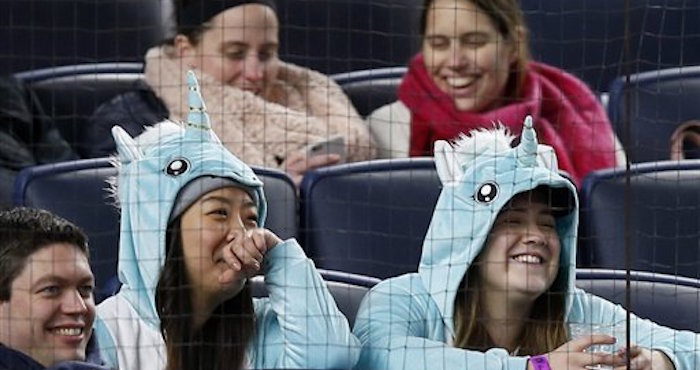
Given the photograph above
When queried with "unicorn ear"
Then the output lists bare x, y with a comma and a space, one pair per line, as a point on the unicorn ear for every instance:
448, 167
126, 146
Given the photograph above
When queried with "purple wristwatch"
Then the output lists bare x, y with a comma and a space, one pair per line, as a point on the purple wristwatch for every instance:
540, 362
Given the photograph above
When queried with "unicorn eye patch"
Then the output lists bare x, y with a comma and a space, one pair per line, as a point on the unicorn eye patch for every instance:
486, 193
177, 167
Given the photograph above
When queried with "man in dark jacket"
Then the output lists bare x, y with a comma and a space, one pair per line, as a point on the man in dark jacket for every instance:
47, 308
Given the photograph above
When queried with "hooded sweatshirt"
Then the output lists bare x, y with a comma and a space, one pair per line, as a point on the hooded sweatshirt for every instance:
407, 322
298, 321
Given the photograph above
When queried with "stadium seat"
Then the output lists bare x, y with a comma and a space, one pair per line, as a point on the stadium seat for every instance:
369, 218
77, 191
347, 290
659, 102
587, 37
334, 36
70, 94
664, 218
667, 300
51, 33
371, 88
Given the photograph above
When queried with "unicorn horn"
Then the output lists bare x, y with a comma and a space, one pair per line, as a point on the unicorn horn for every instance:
197, 117
198, 123
527, 149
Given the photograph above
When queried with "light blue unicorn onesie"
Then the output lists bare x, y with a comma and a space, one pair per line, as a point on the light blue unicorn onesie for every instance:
407, 322
298, 326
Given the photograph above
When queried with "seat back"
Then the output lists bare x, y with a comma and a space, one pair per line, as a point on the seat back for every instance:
70, 94
334, 36
668, 300
347, 290
664, 218
371, 88
77, 191
587, 38
660, 101
51, 33
369, 218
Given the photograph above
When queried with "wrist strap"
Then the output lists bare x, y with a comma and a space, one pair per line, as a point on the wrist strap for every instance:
540, 362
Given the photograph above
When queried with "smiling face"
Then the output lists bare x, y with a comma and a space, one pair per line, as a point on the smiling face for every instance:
207, 226
521, 255
465, 54
51, 309
239, 48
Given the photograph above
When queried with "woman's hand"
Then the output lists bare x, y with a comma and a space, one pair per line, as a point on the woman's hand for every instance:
571, 355
645, 359
297, 164
245, 251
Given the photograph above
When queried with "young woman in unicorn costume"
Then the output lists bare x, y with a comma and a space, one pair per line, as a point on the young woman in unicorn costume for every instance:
192, 217
495, 286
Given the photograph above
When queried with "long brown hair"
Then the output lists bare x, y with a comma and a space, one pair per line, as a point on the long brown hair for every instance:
510, 23
222, 341
544, 330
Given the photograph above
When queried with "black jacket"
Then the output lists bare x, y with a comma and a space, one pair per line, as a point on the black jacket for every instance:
15, 360
28, 137
133, 111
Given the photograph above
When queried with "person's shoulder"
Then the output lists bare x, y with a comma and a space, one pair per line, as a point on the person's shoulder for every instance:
409, 284
560, 77
132, 110
141, 101
392, 112
77, 365
116, 310
11, 359
295, 73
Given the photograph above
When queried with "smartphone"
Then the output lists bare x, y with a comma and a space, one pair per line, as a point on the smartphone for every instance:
334, 145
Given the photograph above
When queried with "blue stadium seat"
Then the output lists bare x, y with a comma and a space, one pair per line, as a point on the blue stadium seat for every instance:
587, 37
76, 190
70, 94
51, 33
370, 89
659, 102
347, 290
665, 299
333, 36
369, 218
664, 221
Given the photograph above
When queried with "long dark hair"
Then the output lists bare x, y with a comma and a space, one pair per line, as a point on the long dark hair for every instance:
543, 332
222, 341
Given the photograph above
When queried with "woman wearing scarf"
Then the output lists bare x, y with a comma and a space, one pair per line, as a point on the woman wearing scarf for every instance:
265, 111
475, 70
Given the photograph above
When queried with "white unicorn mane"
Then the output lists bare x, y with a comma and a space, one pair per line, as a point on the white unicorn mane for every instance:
481, 141
154, 135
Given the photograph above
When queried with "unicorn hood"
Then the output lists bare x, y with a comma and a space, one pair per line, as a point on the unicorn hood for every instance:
154, 169
480, 175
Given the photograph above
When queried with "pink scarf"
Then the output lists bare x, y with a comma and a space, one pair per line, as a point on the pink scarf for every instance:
566, 114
